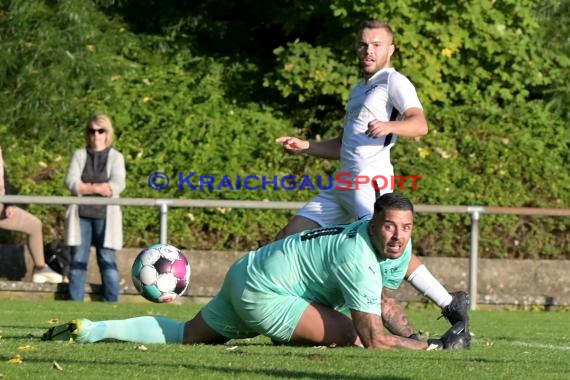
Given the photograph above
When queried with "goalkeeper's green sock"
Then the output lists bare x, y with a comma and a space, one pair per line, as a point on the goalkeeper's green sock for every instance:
139, 330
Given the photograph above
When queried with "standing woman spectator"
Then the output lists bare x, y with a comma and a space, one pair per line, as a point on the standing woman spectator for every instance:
95, 171
13, 218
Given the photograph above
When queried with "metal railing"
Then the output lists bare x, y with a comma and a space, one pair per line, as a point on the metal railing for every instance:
165, 204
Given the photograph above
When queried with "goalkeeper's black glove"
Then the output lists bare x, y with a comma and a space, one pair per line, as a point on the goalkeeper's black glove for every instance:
456, 338
434, 344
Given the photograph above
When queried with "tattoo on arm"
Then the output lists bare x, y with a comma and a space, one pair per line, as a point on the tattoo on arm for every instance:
371, 332
368, 326
393, 315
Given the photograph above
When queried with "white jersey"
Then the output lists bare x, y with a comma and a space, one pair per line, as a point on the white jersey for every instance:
384, 97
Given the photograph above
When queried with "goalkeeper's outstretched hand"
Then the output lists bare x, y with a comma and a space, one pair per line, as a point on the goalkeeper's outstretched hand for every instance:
456, 338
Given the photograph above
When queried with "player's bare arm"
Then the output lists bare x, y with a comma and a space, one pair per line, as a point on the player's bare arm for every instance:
393, 315
414, 124
329, 149
370, 329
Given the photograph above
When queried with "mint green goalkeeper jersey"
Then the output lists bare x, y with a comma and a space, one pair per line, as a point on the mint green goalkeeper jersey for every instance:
267, 291
334, 266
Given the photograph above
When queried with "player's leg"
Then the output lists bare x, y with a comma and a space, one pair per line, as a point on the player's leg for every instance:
358, 203
197, 331
218, 313
219, 320
454, 305
322, 210
321, 325
147, 329
296, 224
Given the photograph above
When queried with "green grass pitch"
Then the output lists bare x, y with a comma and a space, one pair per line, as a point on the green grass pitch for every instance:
506, 345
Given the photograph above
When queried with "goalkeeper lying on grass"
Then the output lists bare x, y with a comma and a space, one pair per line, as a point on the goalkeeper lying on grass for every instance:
293, 291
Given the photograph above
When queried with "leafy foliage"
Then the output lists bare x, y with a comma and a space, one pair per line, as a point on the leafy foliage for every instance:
470, 161
205, 87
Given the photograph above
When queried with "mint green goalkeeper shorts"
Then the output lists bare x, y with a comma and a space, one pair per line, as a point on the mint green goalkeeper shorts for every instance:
239, 311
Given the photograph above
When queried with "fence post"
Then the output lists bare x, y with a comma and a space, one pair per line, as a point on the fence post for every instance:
475, 213
164, 223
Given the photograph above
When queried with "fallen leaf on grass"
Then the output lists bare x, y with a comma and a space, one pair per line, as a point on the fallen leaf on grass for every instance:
16, 360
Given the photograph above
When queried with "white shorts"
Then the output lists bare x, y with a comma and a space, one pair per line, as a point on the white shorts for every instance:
339, 206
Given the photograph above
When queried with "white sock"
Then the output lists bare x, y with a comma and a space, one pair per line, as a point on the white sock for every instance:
428, 285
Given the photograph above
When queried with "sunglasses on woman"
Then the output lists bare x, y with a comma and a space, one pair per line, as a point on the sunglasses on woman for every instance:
100, 131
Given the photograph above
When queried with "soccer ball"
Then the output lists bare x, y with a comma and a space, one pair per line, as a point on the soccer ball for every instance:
161, 273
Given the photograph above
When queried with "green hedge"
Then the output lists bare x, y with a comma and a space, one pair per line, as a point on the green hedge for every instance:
190, 91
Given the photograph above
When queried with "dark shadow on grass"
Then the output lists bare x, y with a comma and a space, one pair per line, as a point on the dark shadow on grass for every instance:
275, 373
462, 359
34, 327
19, 337
505, 338
29, 334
